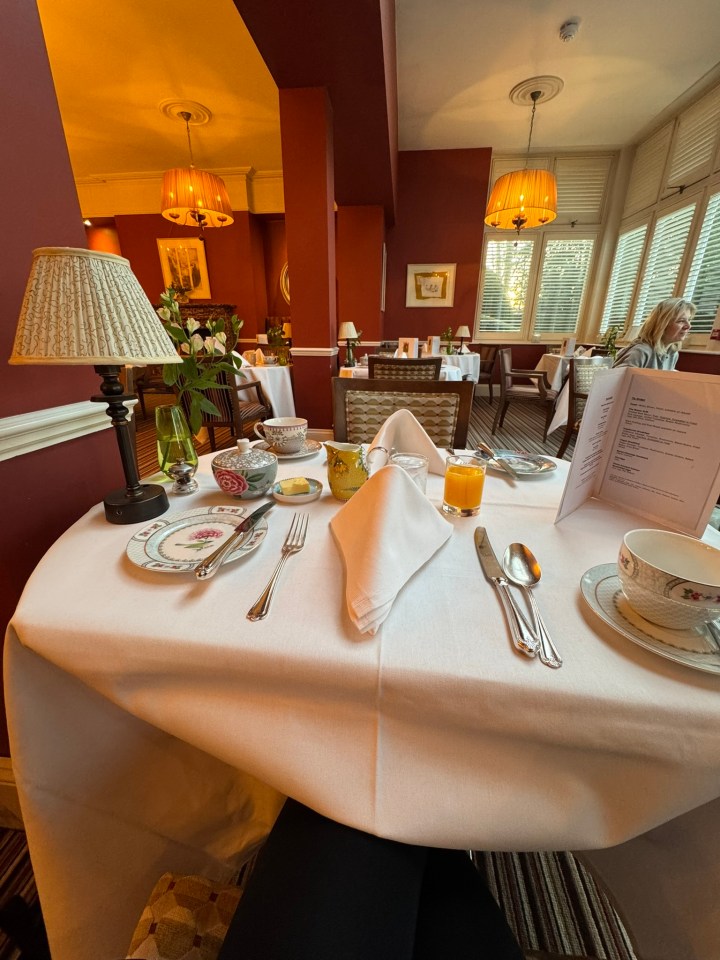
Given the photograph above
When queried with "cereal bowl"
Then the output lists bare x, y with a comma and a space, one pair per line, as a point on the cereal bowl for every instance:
669, 578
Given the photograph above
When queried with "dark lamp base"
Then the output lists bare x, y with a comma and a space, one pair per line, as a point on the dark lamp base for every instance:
120, 508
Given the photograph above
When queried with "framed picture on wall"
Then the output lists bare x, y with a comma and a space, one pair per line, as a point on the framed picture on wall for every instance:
430, 285
184, 266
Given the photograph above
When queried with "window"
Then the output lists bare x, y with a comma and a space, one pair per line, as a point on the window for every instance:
663, 260
506, 276
534, 285
703, 282
562, 285
622, 279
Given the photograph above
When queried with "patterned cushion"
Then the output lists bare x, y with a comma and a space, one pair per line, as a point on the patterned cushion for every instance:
366, 411
405, 371
186, 918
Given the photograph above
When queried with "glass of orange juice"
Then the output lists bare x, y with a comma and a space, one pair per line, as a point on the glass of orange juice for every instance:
464, 480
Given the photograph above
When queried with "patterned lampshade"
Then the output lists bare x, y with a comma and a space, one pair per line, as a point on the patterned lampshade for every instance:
87, 307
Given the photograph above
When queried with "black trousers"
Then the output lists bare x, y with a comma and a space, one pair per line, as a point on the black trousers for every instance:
323, 891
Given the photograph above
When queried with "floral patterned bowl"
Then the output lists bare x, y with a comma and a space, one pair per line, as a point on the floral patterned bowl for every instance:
670, 579
245, 473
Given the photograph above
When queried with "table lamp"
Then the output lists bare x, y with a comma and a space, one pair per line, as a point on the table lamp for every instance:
348, 333
86, 307
464, 334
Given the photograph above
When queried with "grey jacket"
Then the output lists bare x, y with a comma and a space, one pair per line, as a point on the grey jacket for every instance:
639, 354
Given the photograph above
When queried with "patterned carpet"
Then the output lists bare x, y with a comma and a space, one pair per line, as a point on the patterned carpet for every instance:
521, 430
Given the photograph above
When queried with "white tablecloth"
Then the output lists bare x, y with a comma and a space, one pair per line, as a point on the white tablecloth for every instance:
277, 387
466, 363
555, 367
361, 371
146, 714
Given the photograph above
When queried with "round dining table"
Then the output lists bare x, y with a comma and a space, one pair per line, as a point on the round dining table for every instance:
155, 728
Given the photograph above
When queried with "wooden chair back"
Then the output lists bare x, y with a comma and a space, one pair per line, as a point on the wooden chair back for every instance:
235, 412
395, 368
360, 407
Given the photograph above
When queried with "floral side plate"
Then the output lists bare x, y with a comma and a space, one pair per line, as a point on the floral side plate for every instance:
693, 648
178, 543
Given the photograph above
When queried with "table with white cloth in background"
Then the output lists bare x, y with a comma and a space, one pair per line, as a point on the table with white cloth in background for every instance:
467, 363
153, 727
556, 368
277, 387
362, 372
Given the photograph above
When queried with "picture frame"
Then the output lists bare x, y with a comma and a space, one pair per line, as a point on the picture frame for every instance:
568, 347
432, 347
408, 347
430, 285
184, 266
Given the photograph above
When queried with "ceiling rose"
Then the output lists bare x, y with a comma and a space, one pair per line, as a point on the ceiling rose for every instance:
174, 110
548, 87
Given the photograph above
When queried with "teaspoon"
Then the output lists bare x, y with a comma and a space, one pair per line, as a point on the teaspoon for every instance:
522, 569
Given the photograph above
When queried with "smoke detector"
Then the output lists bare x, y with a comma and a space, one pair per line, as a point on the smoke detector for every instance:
569, 30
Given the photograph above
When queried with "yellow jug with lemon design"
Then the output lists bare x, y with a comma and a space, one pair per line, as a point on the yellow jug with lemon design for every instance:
347, 470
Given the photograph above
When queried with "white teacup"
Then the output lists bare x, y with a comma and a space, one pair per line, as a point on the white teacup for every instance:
669, 578
285, 434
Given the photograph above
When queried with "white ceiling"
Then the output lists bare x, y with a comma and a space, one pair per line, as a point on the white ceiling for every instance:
114, 64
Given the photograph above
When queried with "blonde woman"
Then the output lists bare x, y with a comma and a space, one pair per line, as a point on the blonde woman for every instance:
659, 339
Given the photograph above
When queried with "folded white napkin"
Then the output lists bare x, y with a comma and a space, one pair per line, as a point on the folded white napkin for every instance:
403, 432
259, 357
385, 532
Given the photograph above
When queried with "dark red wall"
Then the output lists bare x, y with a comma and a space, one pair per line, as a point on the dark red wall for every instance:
47, 490
442, 196
234, 257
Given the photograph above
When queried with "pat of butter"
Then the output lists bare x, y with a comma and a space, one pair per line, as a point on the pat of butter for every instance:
295, 485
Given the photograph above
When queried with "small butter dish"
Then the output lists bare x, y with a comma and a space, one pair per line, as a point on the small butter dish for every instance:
283, 490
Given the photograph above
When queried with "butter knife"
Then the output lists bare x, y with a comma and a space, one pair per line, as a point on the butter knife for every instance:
521, 634
210, 565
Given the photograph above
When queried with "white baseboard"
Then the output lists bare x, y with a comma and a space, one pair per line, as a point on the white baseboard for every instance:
10, 815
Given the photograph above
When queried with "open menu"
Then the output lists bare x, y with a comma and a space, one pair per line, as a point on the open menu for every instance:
649, 442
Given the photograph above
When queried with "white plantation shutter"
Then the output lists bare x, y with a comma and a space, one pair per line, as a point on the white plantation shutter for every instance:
663, 261
506, 276
695, 143
582, 185
647, 171
562, 284
703, 283
622, 279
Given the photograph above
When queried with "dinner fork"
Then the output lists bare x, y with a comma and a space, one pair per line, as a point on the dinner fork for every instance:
294, 542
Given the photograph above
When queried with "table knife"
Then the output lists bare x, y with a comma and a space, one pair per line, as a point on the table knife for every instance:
522, 635
210, 565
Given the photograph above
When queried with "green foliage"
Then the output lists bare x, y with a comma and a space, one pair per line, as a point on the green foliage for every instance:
203, 360
608, 340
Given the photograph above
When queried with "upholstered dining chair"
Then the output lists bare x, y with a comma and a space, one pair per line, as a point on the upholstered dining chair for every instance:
243, 403
538, 391
581, 375
488, 358
395, 368
360, 407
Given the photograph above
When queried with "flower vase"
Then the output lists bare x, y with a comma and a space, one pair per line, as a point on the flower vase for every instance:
175, 447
